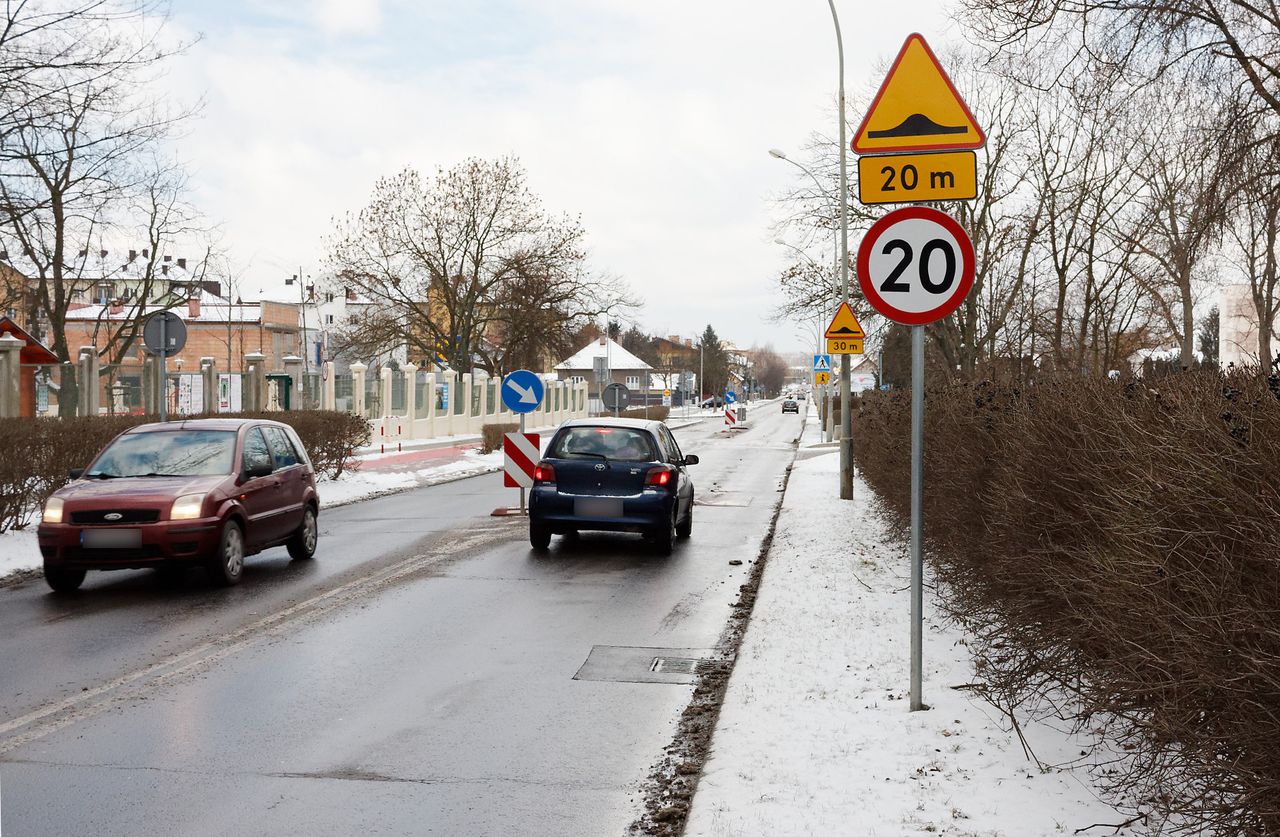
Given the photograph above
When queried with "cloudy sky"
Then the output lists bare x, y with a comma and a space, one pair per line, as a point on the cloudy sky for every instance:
651, 120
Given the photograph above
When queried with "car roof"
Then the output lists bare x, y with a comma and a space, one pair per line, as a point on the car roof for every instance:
651, 425
201, 424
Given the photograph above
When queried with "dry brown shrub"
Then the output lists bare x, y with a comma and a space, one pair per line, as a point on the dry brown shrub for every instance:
491, 436
1115, 547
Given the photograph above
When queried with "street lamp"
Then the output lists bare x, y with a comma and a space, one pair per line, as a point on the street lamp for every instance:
846, 414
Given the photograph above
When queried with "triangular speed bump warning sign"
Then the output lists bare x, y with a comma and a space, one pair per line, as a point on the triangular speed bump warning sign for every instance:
917, 108
844, 325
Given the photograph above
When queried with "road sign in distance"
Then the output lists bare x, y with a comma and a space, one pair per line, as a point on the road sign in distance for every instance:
822, 378
907, 178
616, 397
915, 265
522, 391
844, 346
822, 363
175, 334
917, 108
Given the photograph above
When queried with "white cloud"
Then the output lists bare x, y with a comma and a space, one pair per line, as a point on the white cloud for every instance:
348, 17
650, 120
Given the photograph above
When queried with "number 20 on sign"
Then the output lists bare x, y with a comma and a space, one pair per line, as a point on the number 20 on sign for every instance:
916, 265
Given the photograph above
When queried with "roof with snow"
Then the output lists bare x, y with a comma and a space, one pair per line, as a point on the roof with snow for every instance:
619, 358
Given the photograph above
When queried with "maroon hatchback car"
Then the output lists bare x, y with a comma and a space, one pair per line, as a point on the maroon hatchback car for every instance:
208, 491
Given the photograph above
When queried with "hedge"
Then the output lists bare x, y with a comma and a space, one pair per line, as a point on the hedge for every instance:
38, 452
1115, 550
491, 436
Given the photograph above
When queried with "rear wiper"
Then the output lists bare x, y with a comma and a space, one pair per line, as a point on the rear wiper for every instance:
589, 453
103, 476
154, 474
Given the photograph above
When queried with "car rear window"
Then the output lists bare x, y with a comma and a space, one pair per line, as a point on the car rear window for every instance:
163, 453
611, 442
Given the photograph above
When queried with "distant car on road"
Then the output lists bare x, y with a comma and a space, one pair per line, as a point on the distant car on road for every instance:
613, 475
207, 491
712, 403
791, 406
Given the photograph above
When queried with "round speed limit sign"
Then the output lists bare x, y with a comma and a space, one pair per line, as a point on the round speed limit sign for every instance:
915, 265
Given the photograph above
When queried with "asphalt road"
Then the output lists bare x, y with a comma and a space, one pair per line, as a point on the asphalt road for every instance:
424, 675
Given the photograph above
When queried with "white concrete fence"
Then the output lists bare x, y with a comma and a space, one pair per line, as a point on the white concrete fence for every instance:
467, 411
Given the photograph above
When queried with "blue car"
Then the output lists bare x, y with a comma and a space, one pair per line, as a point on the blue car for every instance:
613, 475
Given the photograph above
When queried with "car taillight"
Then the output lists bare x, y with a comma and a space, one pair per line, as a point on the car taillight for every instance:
660, 476
544, 473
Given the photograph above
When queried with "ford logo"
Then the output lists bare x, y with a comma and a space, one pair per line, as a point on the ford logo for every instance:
600, 467
113, 516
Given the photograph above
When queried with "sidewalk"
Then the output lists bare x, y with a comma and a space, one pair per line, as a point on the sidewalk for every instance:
815, 736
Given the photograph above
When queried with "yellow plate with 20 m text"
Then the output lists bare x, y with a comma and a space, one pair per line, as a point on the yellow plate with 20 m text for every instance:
907, 178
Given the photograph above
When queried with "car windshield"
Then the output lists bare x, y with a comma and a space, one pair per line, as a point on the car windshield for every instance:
609, 442
165, 453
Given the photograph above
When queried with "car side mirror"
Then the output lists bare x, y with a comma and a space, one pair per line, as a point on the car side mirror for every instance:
260, 469
691, 459
75, 473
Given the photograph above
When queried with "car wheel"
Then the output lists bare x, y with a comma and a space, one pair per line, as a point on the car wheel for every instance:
539, 536
63, 579
302, 546
227, 564
685, 527
664, 538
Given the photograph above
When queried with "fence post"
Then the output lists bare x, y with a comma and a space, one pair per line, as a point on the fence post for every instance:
357, 387
253, 398
293, 368
466, 384
10, 375
410, 395
209, 381
430, 400
478, 426
328, 389
385, 384
150, 386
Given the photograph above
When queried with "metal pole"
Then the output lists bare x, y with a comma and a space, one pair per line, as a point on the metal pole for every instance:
164, 375
522, 509
846, 366
917, 513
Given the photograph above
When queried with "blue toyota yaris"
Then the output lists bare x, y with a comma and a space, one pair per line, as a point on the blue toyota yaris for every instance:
613, 475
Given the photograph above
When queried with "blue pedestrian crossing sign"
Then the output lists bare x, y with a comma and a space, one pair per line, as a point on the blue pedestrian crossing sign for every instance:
522, 391
822, 363
730, 397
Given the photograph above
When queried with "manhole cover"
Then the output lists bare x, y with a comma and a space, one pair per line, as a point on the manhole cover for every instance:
626, 664
723, 498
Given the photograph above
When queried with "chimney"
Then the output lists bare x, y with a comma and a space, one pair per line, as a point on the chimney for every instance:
146, 254
688, 341
117, 308
82, 254
351, 295
603, 339
102, 254
133, 254
168, 258
182, 263
4, 254
164, 268
193, 307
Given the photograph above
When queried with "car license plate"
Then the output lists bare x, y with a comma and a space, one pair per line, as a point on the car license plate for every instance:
110, 538
597, 507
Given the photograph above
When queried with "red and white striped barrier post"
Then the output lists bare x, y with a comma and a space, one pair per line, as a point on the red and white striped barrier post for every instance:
521, 458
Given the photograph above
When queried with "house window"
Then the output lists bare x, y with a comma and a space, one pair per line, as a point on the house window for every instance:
577, 379
633, 382
329, 298
102, 294
328, 319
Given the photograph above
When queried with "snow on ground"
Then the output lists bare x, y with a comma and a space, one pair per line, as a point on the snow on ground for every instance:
19, 550
357, 485
815, 736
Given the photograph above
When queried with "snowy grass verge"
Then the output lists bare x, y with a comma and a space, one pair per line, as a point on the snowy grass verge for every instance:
815, 737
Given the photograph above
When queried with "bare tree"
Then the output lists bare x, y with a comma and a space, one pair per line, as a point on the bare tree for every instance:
1254, 230
467, 264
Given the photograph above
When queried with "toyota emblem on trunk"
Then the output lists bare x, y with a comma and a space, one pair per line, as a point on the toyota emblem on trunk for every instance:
113, 516
600, 466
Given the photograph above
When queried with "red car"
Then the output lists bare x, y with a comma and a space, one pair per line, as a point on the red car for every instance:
208, 491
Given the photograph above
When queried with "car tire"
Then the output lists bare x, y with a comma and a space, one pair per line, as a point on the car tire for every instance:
664, 538
302, 546
226, 566
539, 536
685, 527
63, 579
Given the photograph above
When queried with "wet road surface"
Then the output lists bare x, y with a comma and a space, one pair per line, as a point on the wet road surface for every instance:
418, 677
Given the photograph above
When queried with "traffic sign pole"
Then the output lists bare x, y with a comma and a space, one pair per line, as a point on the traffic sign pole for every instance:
917, 516
522, 508
164, 374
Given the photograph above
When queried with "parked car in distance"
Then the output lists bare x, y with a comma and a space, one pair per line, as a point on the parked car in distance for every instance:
715, 402
206, 491
791, 406
613, 475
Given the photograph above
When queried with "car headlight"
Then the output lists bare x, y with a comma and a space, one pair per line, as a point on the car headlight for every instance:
53, 510
187, 507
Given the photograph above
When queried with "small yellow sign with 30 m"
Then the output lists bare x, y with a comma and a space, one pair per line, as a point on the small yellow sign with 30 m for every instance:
842, 346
